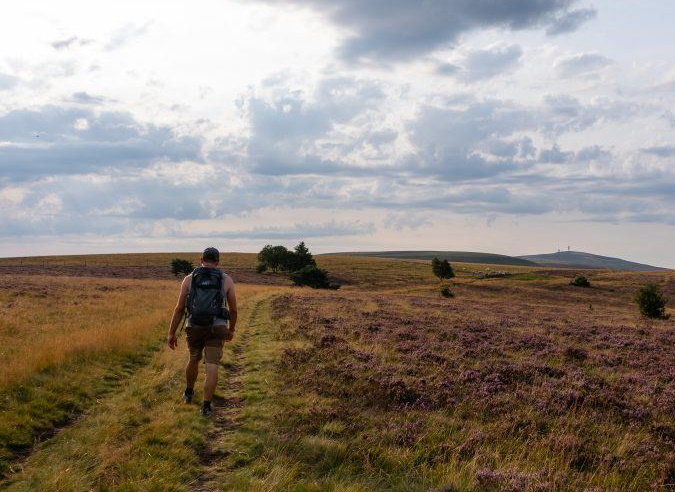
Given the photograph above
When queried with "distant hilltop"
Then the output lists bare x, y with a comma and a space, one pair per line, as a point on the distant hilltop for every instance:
562, 259
578, 259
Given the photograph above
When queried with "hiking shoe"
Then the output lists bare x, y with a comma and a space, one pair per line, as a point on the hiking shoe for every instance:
187, 396
205, 410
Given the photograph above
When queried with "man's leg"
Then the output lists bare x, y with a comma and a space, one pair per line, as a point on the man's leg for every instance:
210, 381
196, 346
191, 372
213, 352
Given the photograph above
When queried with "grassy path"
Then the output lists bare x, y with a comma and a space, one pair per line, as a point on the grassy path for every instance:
228, 408
142, 437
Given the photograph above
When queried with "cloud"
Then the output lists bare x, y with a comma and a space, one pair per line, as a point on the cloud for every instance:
7, 81
63, 44
291, 132
125, 34
395, 30
52, 140
571, 21
660, 151
299, 231
563, 113
581, 65
555, 156
484, 63
399, 221
446, 68
456, 144
83, 97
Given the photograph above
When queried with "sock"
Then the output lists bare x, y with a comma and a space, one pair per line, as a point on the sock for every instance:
206, 404
189, 391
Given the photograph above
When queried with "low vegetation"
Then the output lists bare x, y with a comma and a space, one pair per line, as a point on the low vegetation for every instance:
180, 266
313, 277
278, 258
442, 269
384, 385
446, 292
67, 342
580, 281
651, 301
299, 264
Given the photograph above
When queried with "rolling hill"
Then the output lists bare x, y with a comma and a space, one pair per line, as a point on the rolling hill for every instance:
456, 256
562, 259
578, 259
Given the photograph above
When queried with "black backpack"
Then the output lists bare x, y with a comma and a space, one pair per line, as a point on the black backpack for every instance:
205, 299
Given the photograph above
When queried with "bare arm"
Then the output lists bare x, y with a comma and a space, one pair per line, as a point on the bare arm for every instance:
231, 303
178, 312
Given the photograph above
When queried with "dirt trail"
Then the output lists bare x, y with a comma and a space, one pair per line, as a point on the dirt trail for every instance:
228, 408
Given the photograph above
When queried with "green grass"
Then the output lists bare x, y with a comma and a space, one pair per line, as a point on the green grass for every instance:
140, 437
35, 408
335, 421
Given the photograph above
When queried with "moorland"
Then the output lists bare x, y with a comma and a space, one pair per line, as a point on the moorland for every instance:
520, 382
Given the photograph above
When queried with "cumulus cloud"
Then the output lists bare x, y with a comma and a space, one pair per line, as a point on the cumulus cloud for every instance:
484, 64
660, 151
570, 21
290, 132
582, 64
53, 140
393, 30
455, 143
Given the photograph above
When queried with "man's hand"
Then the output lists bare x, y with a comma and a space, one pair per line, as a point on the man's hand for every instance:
171, 340
229, 336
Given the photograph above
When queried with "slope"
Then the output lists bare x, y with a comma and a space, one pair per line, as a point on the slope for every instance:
578, 259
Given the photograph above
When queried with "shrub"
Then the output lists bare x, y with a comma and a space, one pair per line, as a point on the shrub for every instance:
179, 266
580, 281
278, 258
313, 277
261, 267
299, 258
442, 269
446, 292
274, 257
651, 302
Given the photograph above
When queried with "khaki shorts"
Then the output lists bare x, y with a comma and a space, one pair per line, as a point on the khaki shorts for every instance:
206, 340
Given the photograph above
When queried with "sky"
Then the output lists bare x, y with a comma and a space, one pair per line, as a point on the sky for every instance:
514, 127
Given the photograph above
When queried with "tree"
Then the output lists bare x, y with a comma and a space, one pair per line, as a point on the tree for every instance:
277, 258
652, 303
274, 257
179, 266
313, 277
299, 258
442, 269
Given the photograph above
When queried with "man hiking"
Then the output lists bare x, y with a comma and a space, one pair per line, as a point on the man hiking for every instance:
203, 293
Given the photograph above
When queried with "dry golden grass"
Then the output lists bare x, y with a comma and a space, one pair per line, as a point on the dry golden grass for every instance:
48, 320
142, 437
521, 382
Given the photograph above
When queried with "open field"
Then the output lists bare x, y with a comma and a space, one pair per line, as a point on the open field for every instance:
522, 383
